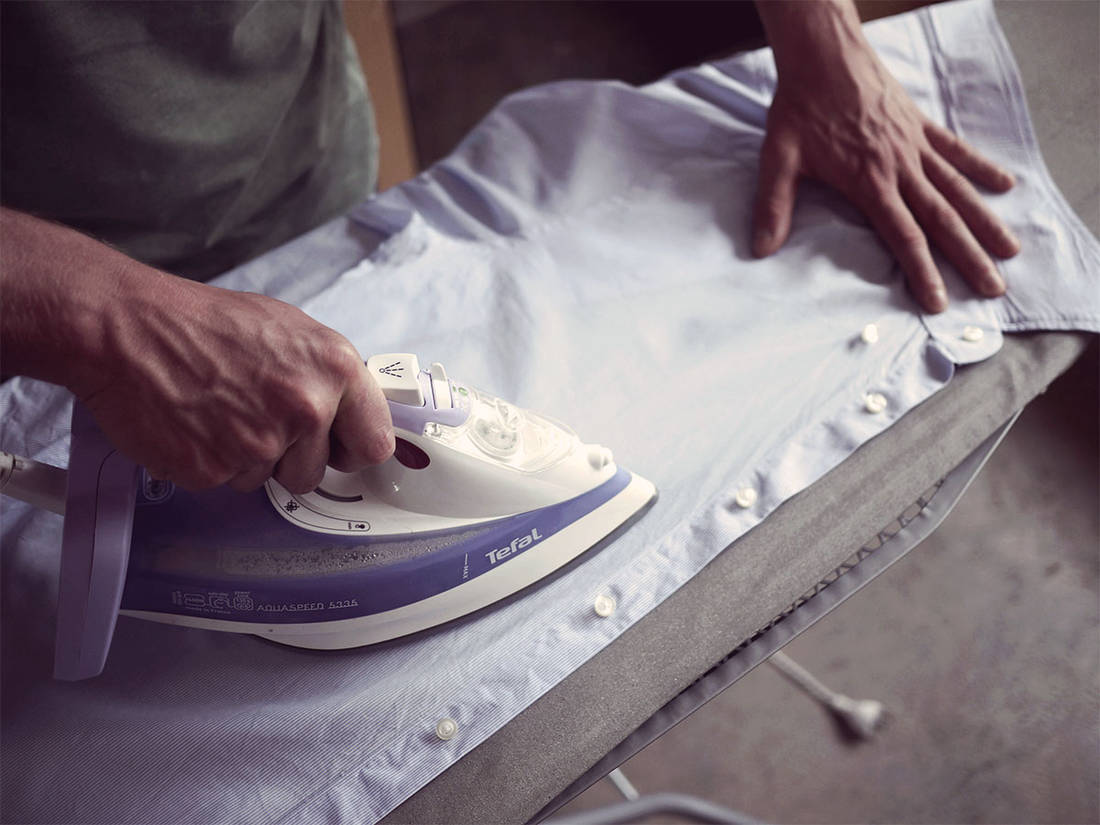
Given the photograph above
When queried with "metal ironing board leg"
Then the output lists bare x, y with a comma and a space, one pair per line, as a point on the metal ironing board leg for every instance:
860, 717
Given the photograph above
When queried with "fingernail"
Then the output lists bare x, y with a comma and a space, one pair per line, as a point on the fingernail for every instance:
937, 300
993, 285
1010, 244
384, 441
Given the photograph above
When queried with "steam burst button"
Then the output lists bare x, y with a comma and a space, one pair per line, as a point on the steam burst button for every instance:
397, 374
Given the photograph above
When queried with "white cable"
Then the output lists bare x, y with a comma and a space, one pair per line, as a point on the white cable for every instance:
623, 785
861, 716
41, 485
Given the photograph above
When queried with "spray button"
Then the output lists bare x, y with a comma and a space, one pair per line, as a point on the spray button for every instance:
397, 374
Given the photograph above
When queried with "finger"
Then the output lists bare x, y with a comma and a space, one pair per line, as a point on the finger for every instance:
775, 193
303, 464
193, 469
967, 160
991, 231
253, 478
198, 479
902, 234
951, 235
362, 431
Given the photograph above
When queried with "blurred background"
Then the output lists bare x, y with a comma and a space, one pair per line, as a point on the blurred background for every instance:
984, 642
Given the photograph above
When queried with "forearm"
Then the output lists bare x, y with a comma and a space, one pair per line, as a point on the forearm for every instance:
201, 385
799, 31
62, 296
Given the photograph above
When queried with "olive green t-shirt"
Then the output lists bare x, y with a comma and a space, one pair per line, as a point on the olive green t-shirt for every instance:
190, 135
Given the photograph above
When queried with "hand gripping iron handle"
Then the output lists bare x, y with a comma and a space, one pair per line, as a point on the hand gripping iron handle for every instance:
95, 549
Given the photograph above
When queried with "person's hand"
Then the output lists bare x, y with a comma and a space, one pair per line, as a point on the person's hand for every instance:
214, 386
839, 117
202, 386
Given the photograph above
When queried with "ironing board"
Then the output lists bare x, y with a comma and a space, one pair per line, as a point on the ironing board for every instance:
603, 713
243, 723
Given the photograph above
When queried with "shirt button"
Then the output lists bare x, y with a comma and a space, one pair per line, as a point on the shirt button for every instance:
870, 334
446, 729
874, 402
746, 497
604, 605
972, 334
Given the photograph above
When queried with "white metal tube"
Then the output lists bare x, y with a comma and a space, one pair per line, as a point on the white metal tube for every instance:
623, 785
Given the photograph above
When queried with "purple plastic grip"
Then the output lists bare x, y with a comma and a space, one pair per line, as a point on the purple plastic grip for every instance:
413, 419
95, 549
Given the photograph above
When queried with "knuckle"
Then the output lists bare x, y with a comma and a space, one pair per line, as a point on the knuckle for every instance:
879, 168
937, 133
878, 184
300, 481
911, 237
339, 354
309, 411
262, 448
955, 181
941, 214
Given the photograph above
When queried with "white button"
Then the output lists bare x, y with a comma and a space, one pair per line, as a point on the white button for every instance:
870, 334
397, 375
973, 334
446, 729
874, 402
604, 605
441, 387
746, 497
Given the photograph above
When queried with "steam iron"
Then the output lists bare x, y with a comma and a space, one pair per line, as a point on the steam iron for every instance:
480, 500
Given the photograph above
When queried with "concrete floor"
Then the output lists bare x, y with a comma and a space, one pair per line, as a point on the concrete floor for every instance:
983, 642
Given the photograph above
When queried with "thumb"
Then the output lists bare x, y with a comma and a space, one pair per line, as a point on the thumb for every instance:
775, 192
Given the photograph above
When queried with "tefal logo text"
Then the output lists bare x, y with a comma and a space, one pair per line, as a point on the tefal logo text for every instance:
517, 544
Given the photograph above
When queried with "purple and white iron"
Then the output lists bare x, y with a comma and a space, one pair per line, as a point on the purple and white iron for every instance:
480, 500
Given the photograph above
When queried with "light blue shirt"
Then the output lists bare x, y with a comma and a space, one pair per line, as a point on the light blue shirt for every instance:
584, 252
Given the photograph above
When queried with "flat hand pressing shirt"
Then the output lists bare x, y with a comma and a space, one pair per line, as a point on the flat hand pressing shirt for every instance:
839, 117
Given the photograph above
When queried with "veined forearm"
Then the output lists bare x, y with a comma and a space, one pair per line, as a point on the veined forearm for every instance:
60, 292
798, 28
200, 385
